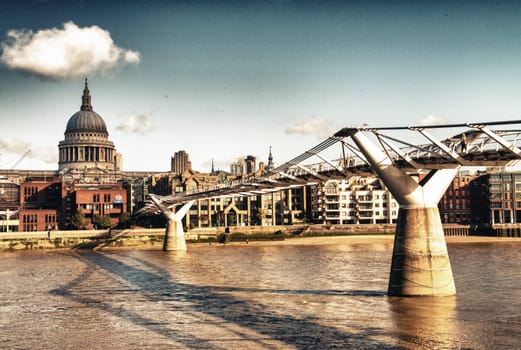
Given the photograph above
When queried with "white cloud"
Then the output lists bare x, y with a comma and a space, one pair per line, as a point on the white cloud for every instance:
71, 52
433, 120
14, 146
320, 127
14, 150
46, 154
136, 124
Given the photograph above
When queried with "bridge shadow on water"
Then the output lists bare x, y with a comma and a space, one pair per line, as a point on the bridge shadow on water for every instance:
155, 284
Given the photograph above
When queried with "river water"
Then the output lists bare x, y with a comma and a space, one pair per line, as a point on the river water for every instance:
254, 297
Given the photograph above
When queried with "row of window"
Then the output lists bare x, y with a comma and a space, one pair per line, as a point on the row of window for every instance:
30, 194
495, 205
50, 218
360, 197
362, 206
30, 218
367, 214
456, 206
96, 207
96, 197
33, 218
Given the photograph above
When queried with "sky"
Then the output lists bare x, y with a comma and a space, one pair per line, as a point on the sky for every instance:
226, 79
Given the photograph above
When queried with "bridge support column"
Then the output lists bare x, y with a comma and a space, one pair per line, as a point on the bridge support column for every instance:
174, 234
420, 263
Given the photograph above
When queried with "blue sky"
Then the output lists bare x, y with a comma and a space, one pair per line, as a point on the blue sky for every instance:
224, 79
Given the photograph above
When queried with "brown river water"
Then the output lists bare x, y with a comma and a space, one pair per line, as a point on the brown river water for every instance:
254, 296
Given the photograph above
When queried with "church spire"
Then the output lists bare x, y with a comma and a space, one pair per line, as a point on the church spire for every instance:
270, 161
85, 99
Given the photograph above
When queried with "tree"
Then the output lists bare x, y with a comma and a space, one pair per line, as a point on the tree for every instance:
125, 220
78, 221
102, 222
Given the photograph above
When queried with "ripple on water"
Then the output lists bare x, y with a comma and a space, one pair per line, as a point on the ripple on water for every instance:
251, 297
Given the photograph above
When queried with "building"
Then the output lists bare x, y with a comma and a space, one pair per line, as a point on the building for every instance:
504, 196
89, 179
180, 162
86, 153
250, 165
90, 169
464, 201
356, 200
40, 204
9, 205
104, 200
237, 168
245, 166
276, 208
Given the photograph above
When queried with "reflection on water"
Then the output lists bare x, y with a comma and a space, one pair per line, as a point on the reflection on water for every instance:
415, 317
253, 297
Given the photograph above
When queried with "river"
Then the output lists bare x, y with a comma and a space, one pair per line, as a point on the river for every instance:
254, 296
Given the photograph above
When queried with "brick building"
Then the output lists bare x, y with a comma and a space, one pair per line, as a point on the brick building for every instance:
40, 204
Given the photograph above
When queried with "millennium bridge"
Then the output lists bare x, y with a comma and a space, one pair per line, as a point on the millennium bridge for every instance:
416, 163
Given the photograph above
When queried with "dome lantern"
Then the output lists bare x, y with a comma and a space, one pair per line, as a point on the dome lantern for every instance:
85, 99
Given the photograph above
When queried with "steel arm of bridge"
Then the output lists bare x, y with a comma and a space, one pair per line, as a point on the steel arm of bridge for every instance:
406, 190
444, 148
169, 214
507, 145
397, 150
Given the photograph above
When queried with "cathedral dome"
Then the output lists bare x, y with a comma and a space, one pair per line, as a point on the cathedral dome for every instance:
86, 144
86, 120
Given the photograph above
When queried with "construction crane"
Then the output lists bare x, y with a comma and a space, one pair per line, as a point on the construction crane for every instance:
21, 158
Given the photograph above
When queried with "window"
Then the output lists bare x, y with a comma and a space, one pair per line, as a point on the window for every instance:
495, 178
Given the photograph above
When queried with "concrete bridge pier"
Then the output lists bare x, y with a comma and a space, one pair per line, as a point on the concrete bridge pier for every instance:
174, 234
420, 263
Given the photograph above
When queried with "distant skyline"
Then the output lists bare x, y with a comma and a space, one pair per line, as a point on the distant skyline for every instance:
226, 79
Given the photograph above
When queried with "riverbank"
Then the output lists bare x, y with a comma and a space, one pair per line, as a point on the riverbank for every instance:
152, 239
361, 239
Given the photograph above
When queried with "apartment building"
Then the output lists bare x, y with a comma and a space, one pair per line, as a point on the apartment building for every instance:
356, 200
